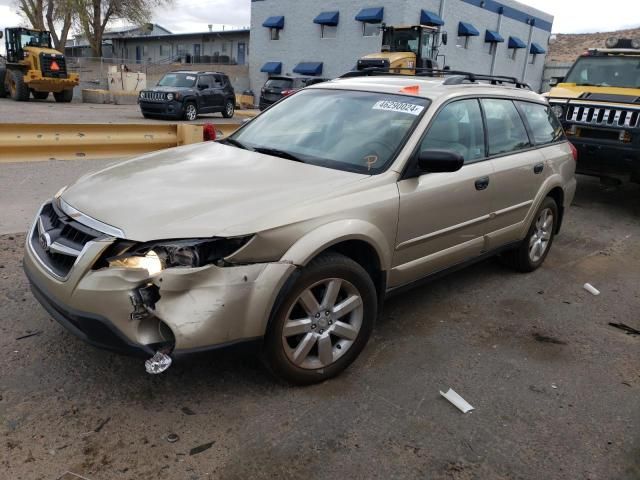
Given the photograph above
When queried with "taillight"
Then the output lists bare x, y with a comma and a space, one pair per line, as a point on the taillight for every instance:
574, 151
287, 92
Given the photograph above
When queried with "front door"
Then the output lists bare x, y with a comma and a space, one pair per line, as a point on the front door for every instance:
241, 53
444, 217
196, 53
138, 54
207, 94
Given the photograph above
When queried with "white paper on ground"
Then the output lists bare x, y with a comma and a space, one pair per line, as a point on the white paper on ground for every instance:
591, 289
457, 400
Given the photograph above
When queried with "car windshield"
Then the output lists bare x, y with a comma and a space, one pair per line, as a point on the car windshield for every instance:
278, 83
178, 80
606, 71
340, 129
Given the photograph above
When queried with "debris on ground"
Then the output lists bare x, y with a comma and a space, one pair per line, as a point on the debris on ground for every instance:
591, 289
102, 424
625, 328
30, 334
460, 403
172, 438
554, 386
201, 448
187, 411
547, 339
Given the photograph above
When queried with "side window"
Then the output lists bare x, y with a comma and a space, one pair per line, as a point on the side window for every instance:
217, 81
544, 124
205, 80
458, 127
505, 131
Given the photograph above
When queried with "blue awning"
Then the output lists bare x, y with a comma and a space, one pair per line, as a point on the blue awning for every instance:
537, 49
515, 42
493, 37
430, 19
467, 30
371, 15
328, 18
308, 68
274, 22
272, 67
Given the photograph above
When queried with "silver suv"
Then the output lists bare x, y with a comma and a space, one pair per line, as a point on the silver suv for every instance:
294, 229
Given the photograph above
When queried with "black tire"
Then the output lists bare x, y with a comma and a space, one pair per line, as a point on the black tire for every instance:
3, 89
40, 95
229, 109
18, 90
353, 280
188, 112
64, 96
520, 258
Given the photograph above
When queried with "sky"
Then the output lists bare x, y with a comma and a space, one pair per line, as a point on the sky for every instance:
571, 16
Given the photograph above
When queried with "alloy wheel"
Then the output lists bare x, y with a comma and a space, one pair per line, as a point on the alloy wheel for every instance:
539, 242
323, 323
191, 112
230, 109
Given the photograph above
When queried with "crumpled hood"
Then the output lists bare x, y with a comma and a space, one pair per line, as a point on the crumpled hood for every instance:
203, 190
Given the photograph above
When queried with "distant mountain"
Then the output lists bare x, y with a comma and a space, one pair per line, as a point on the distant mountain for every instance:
567, 47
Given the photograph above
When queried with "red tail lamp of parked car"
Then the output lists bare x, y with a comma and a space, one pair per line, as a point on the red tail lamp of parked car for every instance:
209, 132
287, 92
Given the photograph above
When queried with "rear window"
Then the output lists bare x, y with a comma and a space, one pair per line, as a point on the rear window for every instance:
505, 130
544, 124
278, 83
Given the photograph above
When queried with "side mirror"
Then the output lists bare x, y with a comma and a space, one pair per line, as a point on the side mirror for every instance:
445, 38
437, 161
555, 81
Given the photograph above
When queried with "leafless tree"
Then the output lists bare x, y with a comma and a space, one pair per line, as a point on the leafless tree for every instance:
53, 15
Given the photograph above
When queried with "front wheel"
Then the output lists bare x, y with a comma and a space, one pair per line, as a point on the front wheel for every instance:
229, 109
322, 322
190, 112
533, 250
64, 96
18, 89
3, 88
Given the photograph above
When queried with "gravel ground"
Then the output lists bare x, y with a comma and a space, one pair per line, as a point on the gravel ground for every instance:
555, 388
36, 111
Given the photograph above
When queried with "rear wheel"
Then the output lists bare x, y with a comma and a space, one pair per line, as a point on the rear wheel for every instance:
229, 109
18, 90
323, 321
534, 249
3, 89
64, 96
190, 111
40, 95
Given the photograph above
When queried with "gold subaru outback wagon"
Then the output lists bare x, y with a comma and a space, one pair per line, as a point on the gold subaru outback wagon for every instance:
294, 229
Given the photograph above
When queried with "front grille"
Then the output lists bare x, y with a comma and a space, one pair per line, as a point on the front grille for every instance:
58, 240
380, 63
154, 96
48, 61
603, 116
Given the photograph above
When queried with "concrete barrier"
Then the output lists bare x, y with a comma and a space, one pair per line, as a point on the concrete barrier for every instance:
41, 142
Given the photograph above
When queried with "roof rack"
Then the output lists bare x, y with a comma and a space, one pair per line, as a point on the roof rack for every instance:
456, 77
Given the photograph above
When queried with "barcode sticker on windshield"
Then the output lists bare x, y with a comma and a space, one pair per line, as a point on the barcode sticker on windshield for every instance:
400, 107
189, 77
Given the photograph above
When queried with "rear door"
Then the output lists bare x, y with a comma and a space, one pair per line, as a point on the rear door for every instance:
445, 216
520, 168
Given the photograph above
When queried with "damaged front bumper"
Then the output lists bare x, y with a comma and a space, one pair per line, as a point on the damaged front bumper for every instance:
179, 310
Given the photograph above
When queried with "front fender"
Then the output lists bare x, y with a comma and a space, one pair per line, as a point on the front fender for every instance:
324, 237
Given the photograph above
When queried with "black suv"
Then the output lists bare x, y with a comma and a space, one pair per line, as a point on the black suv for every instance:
185, 94
277, 88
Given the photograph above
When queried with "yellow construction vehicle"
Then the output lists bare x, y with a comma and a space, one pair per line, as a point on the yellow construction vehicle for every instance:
598, 102
34, 68
406, 48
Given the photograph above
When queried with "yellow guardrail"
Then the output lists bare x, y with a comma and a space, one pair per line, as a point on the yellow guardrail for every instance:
39, 142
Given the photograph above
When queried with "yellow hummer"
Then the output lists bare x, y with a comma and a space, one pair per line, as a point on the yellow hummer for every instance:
34, 67
406, 48
598, 103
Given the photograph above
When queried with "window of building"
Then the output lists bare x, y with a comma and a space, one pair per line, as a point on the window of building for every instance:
543, 123
328, 31
370, 29
532, 59
161, 51
505, 131
512, 54
275, 33
458, 128
490, 47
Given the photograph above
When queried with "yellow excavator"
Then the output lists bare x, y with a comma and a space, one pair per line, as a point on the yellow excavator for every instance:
405, 48
34, 68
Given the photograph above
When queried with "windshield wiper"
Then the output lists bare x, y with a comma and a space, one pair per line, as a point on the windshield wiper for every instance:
278, 153
236, 143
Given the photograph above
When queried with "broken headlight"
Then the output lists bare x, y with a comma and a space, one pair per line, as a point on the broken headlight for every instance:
157, 256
